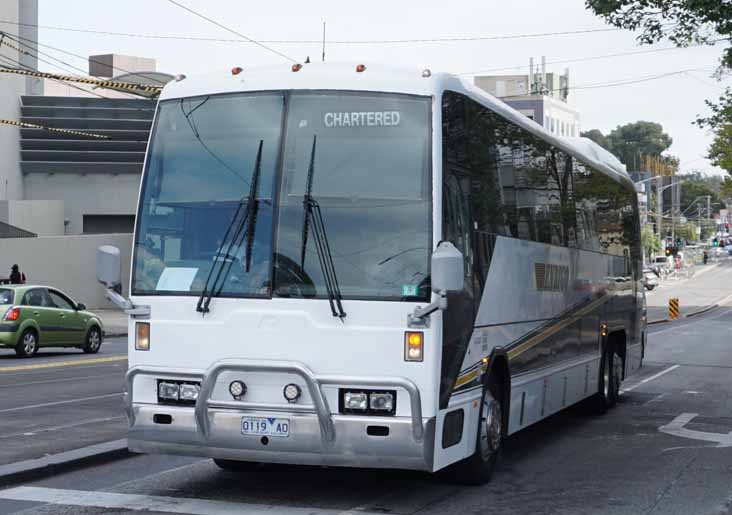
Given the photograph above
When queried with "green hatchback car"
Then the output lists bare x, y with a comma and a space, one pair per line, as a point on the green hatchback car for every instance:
39, 316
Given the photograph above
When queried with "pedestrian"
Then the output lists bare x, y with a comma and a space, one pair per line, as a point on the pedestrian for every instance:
706, 257
16, 276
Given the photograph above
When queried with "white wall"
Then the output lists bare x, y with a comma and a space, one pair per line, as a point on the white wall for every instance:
11, 87
42, 217
66, 262
102, 194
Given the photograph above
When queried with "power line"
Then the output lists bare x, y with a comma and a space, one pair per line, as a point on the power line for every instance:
232, 30
617, 83
454, 39
591, 58
89, 59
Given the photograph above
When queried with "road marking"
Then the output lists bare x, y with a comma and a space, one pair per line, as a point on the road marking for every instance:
34, 432
50, 381
71, 363
153, 503
676, 428
646, 380
59, 403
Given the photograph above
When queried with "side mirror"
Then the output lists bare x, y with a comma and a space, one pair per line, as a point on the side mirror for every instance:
448, 269
80, 307
109, 266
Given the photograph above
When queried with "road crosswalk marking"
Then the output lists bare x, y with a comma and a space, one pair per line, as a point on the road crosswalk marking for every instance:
154, 503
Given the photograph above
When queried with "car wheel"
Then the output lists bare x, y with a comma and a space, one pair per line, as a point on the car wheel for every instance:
93, 341
27, 345
478, 469
650, 286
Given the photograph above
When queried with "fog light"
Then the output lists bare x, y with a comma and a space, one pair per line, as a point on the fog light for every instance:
189, 392
292, 392
168, 391
355, 401
237, 389
142, 336
381, 402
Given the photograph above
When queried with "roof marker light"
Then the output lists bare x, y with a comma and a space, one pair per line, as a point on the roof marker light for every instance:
296, 67
361, 68
179, 77
426, 73
237, 70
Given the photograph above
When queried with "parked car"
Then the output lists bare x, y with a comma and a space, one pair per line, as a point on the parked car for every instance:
662, 264
650, 280
39, 316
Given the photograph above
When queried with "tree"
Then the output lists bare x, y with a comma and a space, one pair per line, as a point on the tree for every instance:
684, 22
631, 141
720, 153
649, 241
694, 186
725, 190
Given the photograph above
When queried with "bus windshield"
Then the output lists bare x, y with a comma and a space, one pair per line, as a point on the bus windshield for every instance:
370, 178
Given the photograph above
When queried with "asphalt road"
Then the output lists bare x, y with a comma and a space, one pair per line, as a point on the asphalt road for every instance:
59, 400
572, 463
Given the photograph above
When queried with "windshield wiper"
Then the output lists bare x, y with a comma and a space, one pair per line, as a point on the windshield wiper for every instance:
325, 257
245, 223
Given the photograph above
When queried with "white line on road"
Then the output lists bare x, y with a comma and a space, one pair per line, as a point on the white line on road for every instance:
648, 379
49, 381
35, 431
676, 428
59, 403
152, 503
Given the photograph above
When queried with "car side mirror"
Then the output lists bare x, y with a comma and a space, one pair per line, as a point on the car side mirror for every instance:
80, 307
448, 269
109, 267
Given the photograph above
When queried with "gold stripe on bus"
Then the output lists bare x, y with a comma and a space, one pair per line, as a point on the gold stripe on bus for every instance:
535, 340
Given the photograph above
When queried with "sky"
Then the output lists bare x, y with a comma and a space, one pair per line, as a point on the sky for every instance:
673, 100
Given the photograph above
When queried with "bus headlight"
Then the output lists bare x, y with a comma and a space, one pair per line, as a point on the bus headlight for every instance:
142, 336
355, 401
292, 392
237, 389
189, 392
381, 402
168, 391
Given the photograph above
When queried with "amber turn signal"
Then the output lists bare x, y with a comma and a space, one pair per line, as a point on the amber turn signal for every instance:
142, 336
413, 346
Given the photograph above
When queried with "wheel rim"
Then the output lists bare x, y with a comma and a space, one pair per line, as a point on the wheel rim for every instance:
29, 343
490, 429
94, 340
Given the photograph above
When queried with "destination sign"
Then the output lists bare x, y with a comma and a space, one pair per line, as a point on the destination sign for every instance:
362, 119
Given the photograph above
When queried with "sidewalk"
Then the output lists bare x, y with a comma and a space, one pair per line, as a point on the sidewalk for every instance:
114, 320
707, 287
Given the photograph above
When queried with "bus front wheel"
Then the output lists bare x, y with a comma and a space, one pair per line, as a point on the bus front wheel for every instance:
478, 468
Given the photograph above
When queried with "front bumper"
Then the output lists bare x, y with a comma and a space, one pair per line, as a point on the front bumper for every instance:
317, 437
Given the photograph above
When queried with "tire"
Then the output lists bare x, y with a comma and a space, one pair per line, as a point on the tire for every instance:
609, 381
650, 287
478, 468
93, 341
27, 344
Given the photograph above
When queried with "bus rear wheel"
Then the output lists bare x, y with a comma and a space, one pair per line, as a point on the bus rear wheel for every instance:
478, 468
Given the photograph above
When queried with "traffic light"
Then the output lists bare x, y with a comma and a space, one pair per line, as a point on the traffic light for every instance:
678, 242
668, 251
715, 242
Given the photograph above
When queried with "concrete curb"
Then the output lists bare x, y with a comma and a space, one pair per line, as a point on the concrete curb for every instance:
114, 334
703, 310
62, 462
662, 321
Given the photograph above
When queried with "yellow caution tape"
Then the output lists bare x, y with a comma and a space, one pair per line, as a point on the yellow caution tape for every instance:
26, 125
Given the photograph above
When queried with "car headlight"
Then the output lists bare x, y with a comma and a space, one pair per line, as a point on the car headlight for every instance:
355, 401
189, 392
168, 391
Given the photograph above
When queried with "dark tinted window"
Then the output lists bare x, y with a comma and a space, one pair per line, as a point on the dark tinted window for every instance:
37, 297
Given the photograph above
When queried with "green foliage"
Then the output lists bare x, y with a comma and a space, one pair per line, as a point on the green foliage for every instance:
631, 141
649, 241
725, 190
720, 153
694, 186
684, 22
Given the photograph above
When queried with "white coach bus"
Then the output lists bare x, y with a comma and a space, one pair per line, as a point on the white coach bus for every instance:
369, 267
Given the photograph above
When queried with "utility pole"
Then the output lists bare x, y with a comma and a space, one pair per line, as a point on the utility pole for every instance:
659, 210
323, 41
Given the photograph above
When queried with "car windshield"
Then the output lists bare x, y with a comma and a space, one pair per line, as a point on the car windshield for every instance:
370, 181
6, 296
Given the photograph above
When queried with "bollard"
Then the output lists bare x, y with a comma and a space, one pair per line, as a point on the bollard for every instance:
673, 308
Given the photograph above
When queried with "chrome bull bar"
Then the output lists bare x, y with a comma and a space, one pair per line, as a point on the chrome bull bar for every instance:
314, 384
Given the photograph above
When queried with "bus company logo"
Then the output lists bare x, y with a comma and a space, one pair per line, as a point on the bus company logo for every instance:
551, 277
362, 119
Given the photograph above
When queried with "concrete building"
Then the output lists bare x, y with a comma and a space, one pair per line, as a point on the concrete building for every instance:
541, 96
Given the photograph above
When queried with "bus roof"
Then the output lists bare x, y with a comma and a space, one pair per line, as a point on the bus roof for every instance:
382, 78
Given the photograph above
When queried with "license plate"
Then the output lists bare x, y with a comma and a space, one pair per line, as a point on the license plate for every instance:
265, 426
